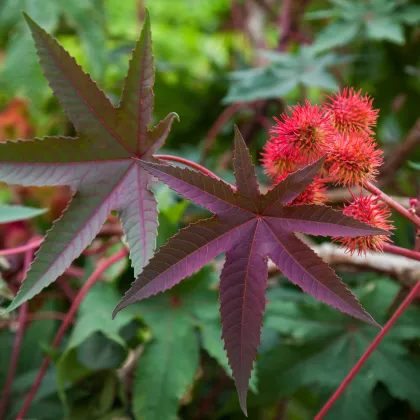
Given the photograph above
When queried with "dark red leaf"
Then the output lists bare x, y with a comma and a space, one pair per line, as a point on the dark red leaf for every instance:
250, 227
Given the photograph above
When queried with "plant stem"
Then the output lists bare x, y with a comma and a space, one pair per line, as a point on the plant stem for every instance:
406, 302
21, 249
23, 316
189, 163
408, 253
104, 265
35, 317
393, 204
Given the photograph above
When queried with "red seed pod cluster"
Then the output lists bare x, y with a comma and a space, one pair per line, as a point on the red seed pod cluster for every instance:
372, 211
342, 130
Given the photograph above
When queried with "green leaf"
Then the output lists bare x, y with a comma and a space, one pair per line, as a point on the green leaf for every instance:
14, 213
410, 14
20, 72
94, 315
385, 29
88, 19
283, 75
360, 391
324, 346
99, 352
95, 341
166, 368
336, 35
211, 333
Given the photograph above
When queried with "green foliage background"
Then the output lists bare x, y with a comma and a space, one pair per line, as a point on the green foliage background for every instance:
163, 358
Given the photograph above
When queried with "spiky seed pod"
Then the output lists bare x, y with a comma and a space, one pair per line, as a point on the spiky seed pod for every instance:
304, 134
350, 111
275, 161
373, 212
352, 159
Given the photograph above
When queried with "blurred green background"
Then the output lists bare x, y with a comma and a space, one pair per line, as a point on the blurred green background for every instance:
218, 63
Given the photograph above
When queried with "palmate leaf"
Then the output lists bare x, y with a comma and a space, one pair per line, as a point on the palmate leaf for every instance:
97, 165
284, 73
250, 227
324, 345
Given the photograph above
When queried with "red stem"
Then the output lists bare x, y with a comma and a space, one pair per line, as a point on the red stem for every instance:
101, 248
393, 204
23, 316
75, 272
67, 290
406, 302
188, 163
104, 265
21, 249
392, 249
35, 317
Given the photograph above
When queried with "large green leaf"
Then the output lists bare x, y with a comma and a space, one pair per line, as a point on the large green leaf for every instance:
337, 34
375, 20
385, 29
95, 341
168, 365
326, 346
211, 333
166, 368
285, 72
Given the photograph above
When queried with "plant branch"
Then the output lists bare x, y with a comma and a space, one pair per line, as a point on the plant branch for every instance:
23, 316
21, 249
104, 265
393, 204
408, 253
35, 317
404, 305
340, 195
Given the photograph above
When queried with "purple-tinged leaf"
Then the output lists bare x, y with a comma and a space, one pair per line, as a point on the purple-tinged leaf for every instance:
73, 232
288, 189
84, 103
139, 217
211, 193
319, 220
97, 165
184, 254
303, 267
250, 227
242, 304
137, 96
156, 137
246, 179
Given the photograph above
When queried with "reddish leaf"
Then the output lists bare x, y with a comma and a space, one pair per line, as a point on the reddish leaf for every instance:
97, 165
250, 227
